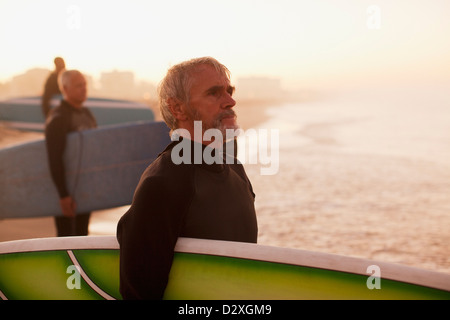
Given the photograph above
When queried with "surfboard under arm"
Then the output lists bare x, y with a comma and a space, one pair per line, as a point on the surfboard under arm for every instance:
88, 268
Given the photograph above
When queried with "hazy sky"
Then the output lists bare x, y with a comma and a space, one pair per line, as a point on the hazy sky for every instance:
310, 43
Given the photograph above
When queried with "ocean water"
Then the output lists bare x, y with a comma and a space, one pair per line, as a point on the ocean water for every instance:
363, 173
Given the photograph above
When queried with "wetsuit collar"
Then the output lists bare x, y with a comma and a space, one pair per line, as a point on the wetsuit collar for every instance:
205, 151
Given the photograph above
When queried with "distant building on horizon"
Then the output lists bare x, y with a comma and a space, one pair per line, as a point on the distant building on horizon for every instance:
122, 85
117, 84
30, 83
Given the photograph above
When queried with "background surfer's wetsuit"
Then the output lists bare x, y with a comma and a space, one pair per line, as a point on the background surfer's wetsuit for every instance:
61, 121
204, 201
51, 88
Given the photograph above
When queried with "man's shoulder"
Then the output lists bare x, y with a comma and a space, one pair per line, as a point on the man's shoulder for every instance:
163, 177
59, 111
56, 115
58, 119
164, 167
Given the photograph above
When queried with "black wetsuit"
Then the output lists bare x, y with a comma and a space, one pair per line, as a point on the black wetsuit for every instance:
213, 201
61, 121
50, 89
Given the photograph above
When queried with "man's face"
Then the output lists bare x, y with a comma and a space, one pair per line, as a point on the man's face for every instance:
76, 89
211, 100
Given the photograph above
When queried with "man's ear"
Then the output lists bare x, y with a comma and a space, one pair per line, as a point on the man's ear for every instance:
177, 109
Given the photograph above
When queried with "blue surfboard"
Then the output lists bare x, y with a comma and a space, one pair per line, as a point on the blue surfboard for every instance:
26, 113
103, 167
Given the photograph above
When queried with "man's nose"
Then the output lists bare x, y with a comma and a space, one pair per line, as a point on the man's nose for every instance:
229, 102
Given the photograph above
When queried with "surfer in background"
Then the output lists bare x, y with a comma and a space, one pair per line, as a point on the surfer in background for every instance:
68, 117
51, 87
201, 200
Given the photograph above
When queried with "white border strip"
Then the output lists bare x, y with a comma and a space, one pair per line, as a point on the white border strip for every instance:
83, 274
250, 251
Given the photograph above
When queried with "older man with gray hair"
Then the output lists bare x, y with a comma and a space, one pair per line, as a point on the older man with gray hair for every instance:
195, 199
69, 116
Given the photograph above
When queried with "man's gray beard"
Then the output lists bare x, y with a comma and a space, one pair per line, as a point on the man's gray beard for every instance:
223, 128
217, 123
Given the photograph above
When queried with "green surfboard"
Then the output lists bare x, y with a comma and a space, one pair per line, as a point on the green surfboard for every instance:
76, 268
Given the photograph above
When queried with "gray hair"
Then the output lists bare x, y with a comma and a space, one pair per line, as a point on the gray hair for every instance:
64, 78
178, 82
